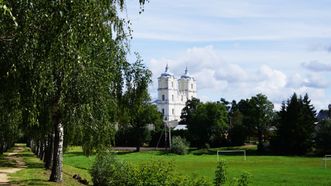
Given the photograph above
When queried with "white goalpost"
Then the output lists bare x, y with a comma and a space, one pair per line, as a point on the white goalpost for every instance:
325, 159
219, 153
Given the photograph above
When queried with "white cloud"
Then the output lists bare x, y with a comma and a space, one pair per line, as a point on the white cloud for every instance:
218, 78
190, 20
317, 66
270, 80
259, 46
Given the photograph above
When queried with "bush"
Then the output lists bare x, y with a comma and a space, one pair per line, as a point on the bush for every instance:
153, 173
107, 170
221, 178
179, 145
243, 180
220, 173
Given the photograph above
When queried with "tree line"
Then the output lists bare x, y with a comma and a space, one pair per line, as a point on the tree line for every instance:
294, 130
65, 78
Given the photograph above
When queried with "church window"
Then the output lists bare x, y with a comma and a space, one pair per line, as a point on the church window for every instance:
163, 97
181, 98
162, 111
173, 111
172, 84
191, 86
172, 97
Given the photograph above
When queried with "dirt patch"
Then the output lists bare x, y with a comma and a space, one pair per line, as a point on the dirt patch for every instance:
19, 165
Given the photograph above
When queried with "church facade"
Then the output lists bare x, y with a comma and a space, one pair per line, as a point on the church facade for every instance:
173, 93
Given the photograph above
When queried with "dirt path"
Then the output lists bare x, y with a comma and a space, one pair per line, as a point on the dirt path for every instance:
17, 162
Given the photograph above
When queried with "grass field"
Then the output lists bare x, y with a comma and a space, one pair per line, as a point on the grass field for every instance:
265, 170
35, 173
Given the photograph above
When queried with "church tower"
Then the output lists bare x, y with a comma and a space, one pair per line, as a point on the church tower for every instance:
187, 86
173, 94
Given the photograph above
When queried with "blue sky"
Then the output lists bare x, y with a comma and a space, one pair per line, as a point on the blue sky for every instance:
239, 48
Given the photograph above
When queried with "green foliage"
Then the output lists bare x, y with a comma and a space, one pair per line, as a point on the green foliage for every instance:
265, 170
237, 131
107, 170
64, 62
244, 179
295, 126
220, 173
153, 173
179, 145
221, 176
206, 122
257, 117
136, 110
261, 114
323, 137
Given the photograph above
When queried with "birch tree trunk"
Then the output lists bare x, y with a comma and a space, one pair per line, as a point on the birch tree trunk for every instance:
56, 174
49, 151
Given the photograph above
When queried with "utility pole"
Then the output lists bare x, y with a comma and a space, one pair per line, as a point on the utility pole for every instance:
169, 137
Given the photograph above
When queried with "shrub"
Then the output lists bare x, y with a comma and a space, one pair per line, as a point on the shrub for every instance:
221, 178
179, 145
107, 170
153, 173
244, 179
220, 173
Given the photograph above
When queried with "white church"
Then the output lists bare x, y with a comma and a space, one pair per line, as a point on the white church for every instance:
173, 94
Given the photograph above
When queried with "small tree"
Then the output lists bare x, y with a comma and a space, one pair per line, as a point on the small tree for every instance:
220, 173
207, 124
179, 145
138, 112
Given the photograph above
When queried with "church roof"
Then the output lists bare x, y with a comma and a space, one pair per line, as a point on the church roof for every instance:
167, 72
186, 75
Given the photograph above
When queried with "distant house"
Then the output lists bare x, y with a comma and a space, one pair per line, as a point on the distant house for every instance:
324, 114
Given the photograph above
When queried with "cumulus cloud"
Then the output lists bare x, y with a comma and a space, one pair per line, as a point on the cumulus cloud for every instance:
218, 78
317, 66
316, 81
232, 73
270, 80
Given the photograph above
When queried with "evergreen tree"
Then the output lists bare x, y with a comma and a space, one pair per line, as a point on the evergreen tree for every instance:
295, 126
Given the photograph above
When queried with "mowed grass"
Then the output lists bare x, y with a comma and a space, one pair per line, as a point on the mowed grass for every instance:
36, 174
265, 170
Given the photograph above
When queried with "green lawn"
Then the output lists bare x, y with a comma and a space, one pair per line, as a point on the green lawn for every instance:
35, 173
265, 170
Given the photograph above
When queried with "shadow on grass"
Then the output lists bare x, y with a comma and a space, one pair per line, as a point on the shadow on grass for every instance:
7, 163
35, 165
124, 152
75, 154
31, 182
